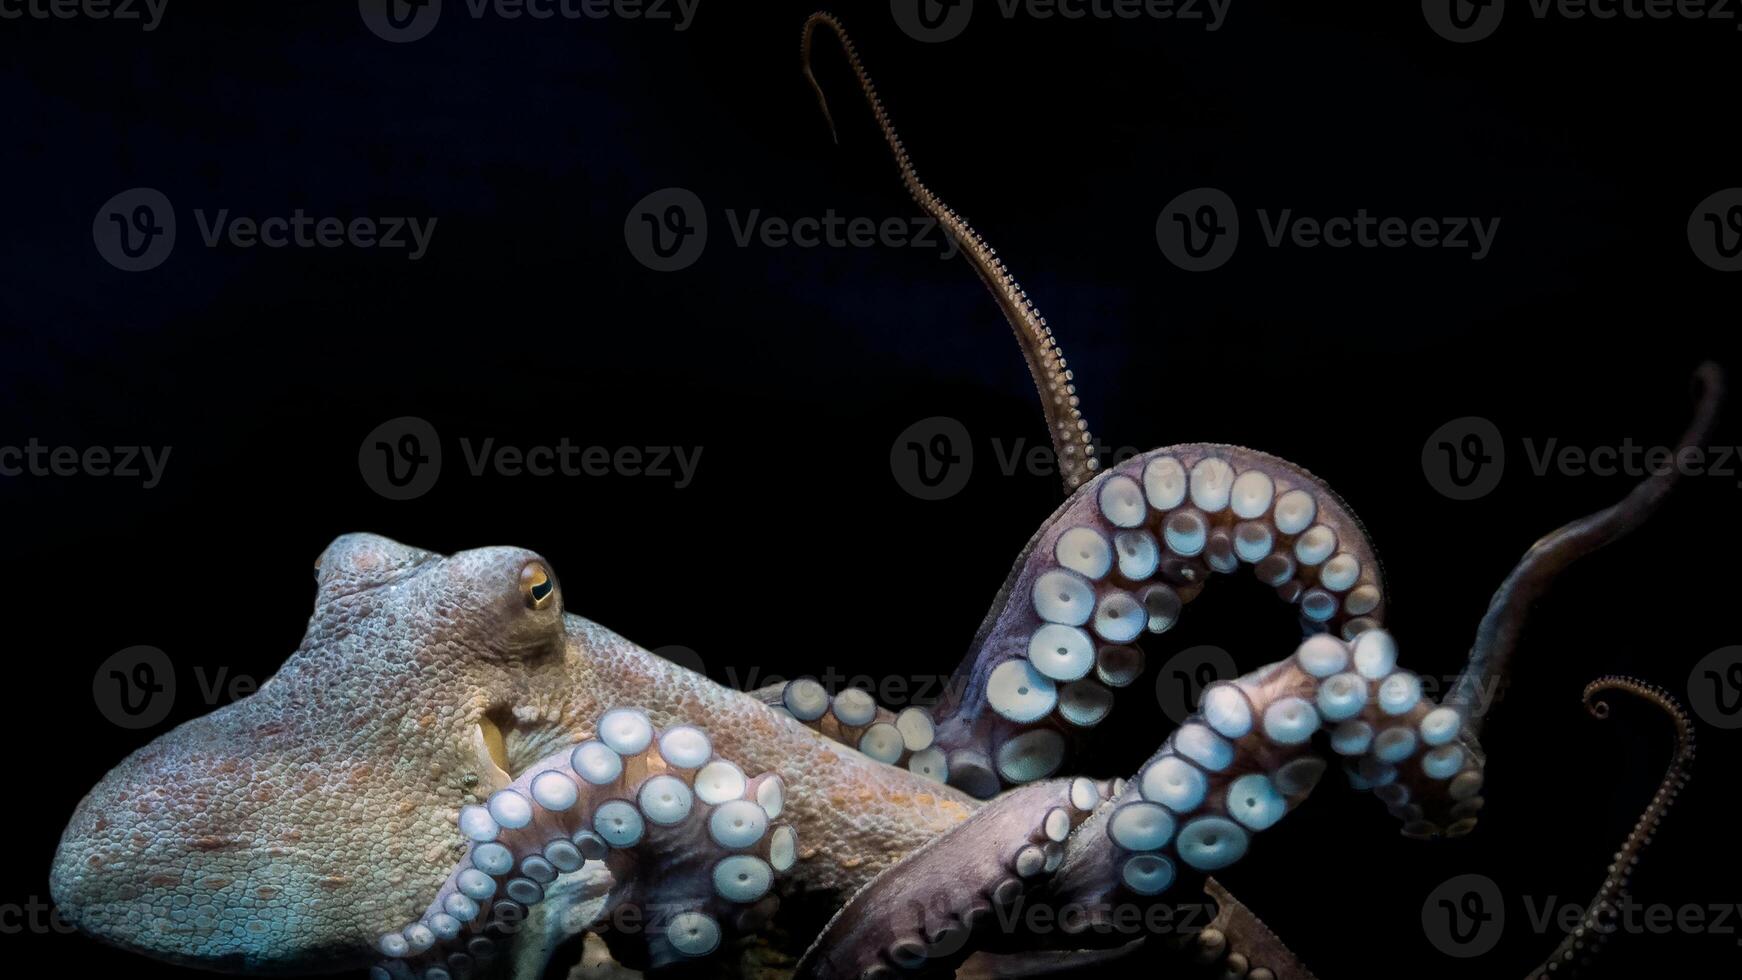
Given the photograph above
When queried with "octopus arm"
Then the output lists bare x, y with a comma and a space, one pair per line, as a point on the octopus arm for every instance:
644, 836
1498, 635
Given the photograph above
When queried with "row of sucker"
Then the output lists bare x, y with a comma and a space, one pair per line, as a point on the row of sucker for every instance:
1245, 758
631, 790
1598, 923
1121, 563
1046, 361
853, 717
1210, 948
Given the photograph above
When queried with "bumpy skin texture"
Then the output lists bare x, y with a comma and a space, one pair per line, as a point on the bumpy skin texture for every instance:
285, 832
291, 830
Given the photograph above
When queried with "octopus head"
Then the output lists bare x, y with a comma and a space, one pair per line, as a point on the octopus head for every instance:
276, 834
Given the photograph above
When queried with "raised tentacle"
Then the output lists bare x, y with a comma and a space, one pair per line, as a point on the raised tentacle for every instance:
1119, 560
1046, 362
1497, 636
1597, 923
678, 835
1234, 769
1247, 757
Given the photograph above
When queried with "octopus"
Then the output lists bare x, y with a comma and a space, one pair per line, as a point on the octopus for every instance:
455, 775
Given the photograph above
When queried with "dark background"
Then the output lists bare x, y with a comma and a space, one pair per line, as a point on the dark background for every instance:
795, 550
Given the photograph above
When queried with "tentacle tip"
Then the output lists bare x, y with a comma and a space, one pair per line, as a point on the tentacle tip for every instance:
1709, 375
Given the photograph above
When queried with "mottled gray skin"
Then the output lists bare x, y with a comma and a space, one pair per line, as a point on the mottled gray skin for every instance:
287, 831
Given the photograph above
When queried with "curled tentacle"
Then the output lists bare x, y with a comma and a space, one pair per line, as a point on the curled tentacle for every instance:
1046, 362
1597, 922
1416, 756
1105, 569
681, 837
936, 907
1088, 851
1119, 560
1497, 636
1247, 758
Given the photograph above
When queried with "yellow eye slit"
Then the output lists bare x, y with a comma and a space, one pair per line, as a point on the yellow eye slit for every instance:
536, 586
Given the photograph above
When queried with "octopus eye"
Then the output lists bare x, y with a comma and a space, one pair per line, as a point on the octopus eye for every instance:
536, 586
